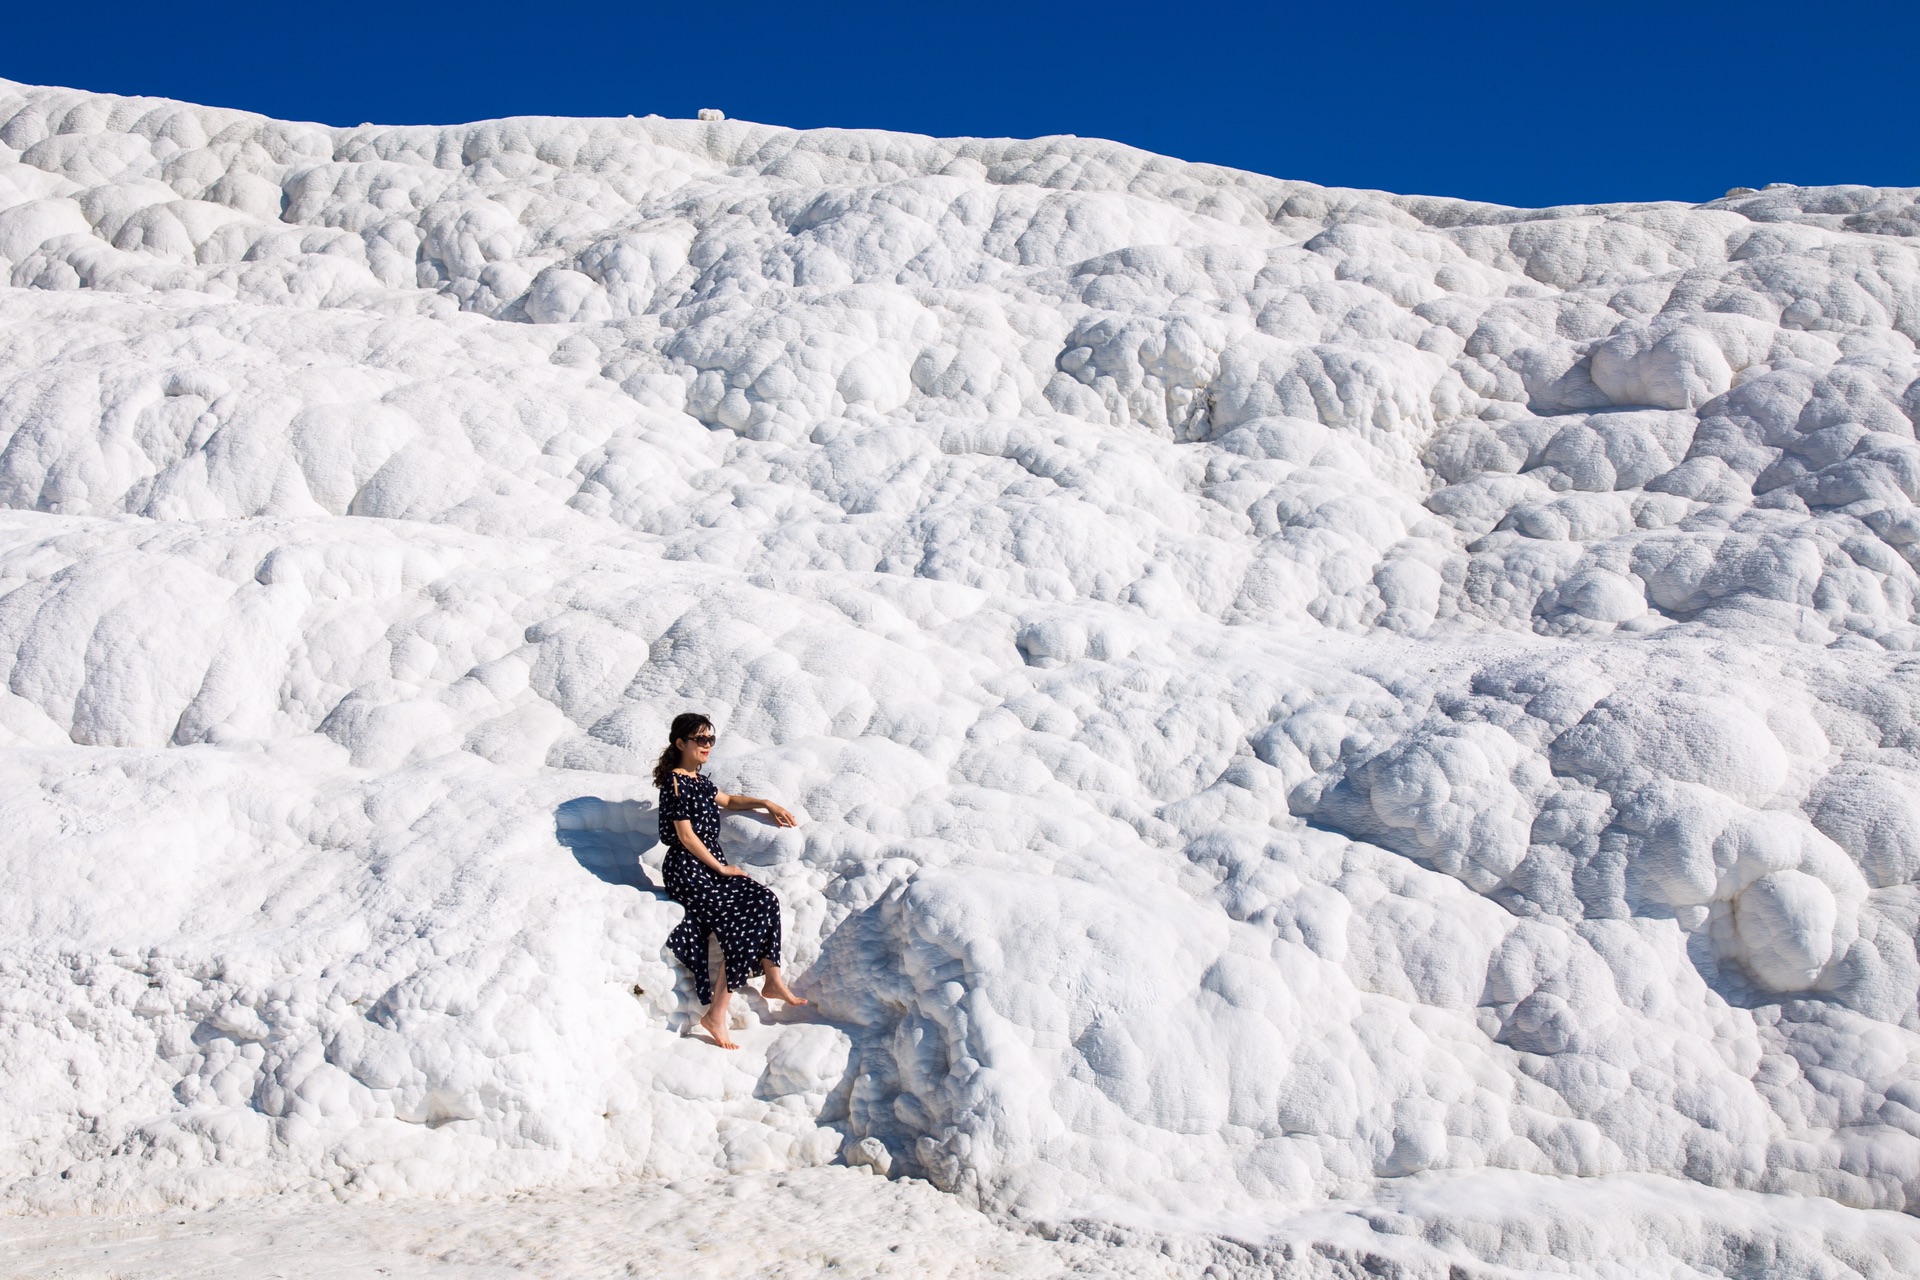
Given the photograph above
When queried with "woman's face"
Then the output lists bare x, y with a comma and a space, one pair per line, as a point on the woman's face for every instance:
695, 750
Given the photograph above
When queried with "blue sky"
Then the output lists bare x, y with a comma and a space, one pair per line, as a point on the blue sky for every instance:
1525, 104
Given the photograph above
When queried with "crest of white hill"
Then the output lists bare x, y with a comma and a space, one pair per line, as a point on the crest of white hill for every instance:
1284, 687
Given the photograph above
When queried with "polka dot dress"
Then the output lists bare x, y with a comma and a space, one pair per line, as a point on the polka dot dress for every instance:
742, 911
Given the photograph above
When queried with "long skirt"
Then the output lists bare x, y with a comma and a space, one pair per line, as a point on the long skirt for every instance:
741, 910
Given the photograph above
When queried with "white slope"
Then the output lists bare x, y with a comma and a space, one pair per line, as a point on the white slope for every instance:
1286, 689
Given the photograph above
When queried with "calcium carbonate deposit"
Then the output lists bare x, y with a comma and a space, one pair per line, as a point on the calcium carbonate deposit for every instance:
1368, 730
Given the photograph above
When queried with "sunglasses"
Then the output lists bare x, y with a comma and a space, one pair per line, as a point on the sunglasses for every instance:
701, 740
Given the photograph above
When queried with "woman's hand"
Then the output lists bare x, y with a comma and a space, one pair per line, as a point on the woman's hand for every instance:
728, 869
781, 818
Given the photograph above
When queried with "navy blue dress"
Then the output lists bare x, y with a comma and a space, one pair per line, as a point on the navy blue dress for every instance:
741, 910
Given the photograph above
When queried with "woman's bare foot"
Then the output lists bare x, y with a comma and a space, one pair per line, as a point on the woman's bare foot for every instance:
715, 1022
774, 987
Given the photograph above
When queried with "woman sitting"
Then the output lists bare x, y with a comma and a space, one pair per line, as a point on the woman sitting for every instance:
719, 897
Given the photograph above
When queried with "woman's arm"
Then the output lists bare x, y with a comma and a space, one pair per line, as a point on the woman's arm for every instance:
691, 843
741, 804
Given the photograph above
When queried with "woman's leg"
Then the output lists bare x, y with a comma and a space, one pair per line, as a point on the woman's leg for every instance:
692, 952
775, 987
715, 1020
768, 935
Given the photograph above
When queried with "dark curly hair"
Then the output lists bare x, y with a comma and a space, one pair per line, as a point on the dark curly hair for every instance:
685, 725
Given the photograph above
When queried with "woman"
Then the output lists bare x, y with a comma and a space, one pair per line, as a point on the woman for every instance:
719, 898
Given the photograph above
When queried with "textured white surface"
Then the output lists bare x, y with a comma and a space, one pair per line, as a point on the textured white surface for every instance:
835, 1222
826, 1222
1286, 688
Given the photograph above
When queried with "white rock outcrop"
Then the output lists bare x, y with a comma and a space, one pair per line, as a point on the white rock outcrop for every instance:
1286, 688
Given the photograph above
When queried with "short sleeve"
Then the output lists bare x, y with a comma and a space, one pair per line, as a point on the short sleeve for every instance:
674, 802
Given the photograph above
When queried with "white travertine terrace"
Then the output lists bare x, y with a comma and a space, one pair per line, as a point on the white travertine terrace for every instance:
1296, 696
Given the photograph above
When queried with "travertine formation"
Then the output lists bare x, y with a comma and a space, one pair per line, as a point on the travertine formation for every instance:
1286, 688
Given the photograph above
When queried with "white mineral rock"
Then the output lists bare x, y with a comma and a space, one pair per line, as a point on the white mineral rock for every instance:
1312, 711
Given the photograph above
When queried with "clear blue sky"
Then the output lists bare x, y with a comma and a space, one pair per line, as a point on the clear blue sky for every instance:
1521, 103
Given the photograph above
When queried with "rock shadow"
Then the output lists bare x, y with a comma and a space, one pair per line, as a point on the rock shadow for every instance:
609, 839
